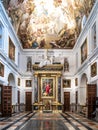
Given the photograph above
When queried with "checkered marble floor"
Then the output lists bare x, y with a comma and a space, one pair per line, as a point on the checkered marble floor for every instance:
47, 121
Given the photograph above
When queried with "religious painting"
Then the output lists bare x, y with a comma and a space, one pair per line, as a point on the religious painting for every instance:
11, 50
1, 69
94, 43
76, 82
66, 83
94, 69
28, 83
84, 51
18, 81
47, 87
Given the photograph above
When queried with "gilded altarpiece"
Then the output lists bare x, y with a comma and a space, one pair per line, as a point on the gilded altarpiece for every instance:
47, 88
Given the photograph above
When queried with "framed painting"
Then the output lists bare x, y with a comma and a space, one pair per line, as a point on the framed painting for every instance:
11, 50
28, 83
84, 51
94, 69
76, 82
66, 83
47, 87
1, 70
18, 81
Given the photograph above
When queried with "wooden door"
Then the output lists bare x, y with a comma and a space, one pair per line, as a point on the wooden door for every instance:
0, 98
66, 101
76, 100
28, 101
6, 101
91, 99
19, 100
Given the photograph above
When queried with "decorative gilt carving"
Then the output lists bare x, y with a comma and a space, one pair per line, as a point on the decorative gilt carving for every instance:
48, 68
66, 83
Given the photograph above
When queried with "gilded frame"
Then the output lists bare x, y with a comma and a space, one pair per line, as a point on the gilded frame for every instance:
28, 83
84, 51
47, 87
94, 69
1, 70
18, 81
11, 50
66, 83
76, 81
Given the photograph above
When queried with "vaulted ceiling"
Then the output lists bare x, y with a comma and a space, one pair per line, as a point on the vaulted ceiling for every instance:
48, 23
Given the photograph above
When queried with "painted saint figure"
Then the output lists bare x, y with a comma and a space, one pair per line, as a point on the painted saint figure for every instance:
47, 89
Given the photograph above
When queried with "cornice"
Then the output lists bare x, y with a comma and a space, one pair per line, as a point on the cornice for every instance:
9, 25
88, 24
8, 61
88, 61
53, 67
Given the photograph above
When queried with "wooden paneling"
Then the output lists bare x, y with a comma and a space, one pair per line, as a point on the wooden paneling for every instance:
28, 101
0, 98
91, 99
6, 101
66, 101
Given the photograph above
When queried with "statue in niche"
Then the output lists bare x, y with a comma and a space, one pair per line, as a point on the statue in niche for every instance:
29, 64
66, 65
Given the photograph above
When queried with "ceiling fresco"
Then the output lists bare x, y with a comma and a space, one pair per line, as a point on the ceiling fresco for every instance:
48, 24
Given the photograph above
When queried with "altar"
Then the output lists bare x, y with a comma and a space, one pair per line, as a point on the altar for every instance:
48, 108
47, 88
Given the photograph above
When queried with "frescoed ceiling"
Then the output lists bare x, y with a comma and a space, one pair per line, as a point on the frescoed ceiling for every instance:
48, 24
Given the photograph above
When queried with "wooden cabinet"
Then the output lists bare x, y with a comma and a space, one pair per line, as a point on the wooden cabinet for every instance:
91, 99
6, 101
0, 98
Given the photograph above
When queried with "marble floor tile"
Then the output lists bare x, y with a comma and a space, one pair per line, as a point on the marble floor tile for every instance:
48, 121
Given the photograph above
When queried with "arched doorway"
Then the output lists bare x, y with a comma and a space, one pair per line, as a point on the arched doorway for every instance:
83, 89
87, 97
11, 82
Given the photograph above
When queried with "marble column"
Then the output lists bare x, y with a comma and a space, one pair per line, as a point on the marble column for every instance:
59, 89
35, 89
